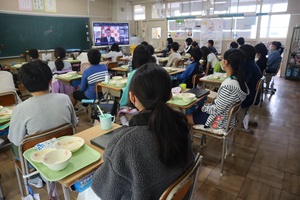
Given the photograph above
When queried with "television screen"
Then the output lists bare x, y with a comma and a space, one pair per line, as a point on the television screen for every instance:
107, 33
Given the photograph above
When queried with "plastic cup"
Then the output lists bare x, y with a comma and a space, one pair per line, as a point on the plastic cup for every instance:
182, 86
106, 121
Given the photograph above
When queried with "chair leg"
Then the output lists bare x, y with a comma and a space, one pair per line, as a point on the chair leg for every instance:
19, 181
233, 143
223, 155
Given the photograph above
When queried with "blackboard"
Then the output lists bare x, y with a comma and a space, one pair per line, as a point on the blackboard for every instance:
19, 33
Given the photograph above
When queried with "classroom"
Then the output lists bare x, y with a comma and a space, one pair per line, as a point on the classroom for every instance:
207, 88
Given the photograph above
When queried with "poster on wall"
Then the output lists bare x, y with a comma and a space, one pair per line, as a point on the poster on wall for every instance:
38, 4
25, 5
50, 5
212, 29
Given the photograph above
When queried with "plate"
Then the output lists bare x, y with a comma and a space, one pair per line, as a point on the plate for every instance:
71, 143
38, 155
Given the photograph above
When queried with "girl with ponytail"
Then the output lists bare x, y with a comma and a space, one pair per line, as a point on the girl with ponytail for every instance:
60, 64
232, 90
142, 160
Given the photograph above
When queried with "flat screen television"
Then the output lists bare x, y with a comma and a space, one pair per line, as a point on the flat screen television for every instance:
107, 33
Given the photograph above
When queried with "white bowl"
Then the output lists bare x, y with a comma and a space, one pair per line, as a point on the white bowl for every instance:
70, 143
117, 77
57, 160
38, 155
186, 97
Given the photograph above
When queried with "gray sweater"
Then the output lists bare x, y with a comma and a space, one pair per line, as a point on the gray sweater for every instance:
132, 169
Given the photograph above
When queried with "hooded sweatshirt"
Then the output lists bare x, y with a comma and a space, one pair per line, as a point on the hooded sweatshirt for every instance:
229, 93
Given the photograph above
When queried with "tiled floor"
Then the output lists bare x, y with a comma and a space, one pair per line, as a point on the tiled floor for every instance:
266, 165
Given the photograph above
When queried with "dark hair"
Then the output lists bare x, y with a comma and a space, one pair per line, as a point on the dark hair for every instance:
60, 54
170, 40
94, 56
241, 40
115, 47
234, 45
235, 57
107, 29
211, 42
195, 44
35, 76
151, 48
278, 46
189, 41
141, 56
175, 46
205, 51
33, 53
249, 51
151, 84
262, 49
196, 54
144, 43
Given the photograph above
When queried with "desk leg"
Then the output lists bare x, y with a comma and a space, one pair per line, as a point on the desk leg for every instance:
66, 193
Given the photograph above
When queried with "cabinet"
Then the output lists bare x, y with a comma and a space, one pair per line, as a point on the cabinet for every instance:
293, 67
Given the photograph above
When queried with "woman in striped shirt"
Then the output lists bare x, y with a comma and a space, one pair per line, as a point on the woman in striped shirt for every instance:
232, 90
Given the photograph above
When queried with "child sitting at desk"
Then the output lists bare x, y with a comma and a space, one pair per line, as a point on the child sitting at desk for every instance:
59, 64
42, 111
143, 160
92, 75
113, 53
193, 68
174, 56
232, 90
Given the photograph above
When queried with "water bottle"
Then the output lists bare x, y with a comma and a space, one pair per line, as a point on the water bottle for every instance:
130, 65
106, 79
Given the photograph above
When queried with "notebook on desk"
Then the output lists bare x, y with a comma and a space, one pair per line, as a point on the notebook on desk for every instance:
102, 140
198, 92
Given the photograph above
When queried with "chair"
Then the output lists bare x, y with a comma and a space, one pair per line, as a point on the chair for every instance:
196, 79
111, 65
8, 98
1, 191
185, 185
258, 89
29, 142
270, 80
179, 63
202, 133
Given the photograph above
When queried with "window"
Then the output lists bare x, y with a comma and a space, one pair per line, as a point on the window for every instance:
158, 11
270, 6
139, 12
274, 26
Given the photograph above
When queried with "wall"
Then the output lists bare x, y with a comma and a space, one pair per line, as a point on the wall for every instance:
97, 10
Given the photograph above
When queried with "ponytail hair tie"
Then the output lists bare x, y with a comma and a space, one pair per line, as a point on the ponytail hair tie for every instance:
58, 57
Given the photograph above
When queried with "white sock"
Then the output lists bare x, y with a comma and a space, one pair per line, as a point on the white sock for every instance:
124, 120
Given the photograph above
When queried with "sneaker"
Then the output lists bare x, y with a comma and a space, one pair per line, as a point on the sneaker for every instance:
36, 182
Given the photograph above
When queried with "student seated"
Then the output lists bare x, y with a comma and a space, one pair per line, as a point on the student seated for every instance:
210, 60
261, 53
92, 75
210, 45
7, 83
60, 63
252, 74
34, 55
174, 56
154, 58
193, 68
234, 45
241, 41
157, 143
232, 90
113, 53
275, 57
188, 45
40, 112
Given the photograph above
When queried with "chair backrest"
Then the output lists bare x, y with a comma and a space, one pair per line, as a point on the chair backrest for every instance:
118, 58
259, 88
196, 79
185, 185
111, 65
8, 98
232, 115
179, 63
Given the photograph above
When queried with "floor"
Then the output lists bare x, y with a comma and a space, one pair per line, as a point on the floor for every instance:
266, 165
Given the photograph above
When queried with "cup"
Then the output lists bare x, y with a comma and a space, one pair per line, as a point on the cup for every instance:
106, 121
182, 86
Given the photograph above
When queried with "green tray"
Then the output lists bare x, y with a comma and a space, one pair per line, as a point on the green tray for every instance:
180, 102
80, 159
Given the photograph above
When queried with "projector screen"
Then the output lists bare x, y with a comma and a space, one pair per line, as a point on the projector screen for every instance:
107, 33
